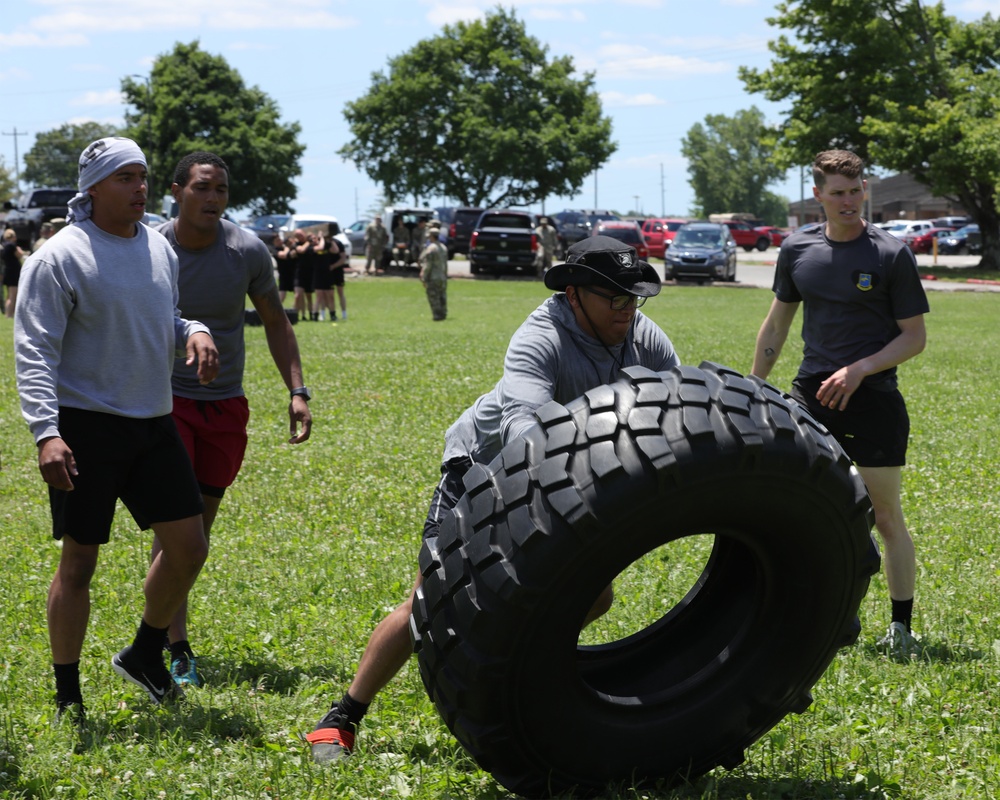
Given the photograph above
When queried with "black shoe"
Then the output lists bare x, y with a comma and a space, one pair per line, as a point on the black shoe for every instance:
71, 713
333, 738
152, 677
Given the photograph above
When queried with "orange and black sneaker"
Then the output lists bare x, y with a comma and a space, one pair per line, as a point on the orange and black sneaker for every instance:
333, 738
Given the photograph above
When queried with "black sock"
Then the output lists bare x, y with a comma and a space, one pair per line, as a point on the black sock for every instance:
180, 649
353, 710
148, 643
67, 683
902, 611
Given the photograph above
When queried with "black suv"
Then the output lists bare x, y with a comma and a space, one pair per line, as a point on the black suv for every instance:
461, 225
574, 225
25, 217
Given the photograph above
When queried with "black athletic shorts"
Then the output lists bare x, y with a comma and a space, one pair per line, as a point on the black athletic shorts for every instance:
141, 461
305, 275
447, 494
874, 429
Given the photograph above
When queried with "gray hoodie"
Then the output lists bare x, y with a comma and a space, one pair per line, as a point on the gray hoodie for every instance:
97, 326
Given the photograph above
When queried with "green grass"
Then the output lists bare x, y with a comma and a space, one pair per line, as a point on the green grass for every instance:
316, 543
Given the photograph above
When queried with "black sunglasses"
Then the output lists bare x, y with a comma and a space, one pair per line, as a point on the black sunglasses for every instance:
619, 301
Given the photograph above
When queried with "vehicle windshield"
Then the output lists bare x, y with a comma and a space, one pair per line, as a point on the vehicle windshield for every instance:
505, 221
698, 237
593, 219
627, 235
54, 197
673, 226
269, 222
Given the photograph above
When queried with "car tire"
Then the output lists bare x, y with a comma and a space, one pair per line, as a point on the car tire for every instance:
563, 510
763, 243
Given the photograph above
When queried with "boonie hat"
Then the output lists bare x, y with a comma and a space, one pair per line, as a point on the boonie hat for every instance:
607, 261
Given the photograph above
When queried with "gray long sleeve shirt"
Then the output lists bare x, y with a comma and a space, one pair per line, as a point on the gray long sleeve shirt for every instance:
550, 358
97, 326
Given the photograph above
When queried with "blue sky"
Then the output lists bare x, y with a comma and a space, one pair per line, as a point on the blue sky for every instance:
660, 65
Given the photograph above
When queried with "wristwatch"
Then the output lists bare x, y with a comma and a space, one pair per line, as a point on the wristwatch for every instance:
302, 392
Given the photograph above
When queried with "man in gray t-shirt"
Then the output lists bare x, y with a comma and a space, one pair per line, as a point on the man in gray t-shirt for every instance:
579, 338
864, 312
220, 266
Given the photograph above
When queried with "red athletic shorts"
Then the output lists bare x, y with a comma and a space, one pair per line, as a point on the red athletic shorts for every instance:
215, 435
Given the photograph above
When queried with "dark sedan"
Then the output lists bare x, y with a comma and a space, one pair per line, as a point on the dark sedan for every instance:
958, 243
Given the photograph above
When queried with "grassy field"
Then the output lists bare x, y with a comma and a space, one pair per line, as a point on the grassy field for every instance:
316, 543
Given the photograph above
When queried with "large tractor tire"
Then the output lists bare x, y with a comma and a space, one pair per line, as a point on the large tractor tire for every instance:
562, 511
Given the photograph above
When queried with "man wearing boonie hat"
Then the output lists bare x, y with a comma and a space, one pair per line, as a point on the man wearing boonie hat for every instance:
95, 338
577, 339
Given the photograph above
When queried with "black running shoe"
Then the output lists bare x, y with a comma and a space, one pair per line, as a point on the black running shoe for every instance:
72, 714
152, 677
333, 738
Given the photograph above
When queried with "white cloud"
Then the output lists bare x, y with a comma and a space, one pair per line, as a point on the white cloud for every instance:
44, 39
619, 61
556, 15
449, 13
621, 100
109, 16
105, 97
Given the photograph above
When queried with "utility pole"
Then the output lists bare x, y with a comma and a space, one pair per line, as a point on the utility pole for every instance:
663, 193
17, 171
636, 198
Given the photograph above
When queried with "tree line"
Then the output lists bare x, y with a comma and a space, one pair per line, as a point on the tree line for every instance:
480, 113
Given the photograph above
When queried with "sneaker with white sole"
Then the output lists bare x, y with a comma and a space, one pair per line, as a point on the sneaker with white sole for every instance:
153, 678
899, 643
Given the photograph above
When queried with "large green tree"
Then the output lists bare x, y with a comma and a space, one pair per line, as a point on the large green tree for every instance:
8, 186
731, 165
53, 159
904, 85
194, 101
479, 114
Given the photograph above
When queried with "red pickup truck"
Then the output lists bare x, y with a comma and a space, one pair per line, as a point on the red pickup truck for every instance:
746, 236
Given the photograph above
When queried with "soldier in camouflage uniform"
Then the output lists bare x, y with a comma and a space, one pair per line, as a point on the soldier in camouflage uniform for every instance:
376, 238
547, 240
434, 273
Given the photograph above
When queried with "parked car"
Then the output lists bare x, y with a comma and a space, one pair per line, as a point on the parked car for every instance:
356, 233
503, 240
776, 235
702, 251
26, 215
746, 236
903, 228
958, 242
153, 220
410, 217
460, 227
659, 232
575, 225
624, 231
951, 222
923, 242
